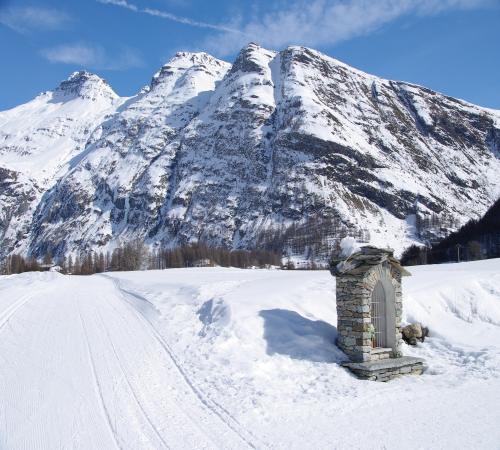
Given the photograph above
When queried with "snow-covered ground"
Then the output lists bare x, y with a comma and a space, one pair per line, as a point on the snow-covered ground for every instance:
226, 358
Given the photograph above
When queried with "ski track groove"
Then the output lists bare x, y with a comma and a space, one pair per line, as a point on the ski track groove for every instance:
132, 391
96, 381
179, 405
208, 403
41, 336
9, 312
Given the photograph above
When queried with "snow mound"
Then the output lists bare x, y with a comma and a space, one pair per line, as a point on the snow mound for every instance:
214, 314
349, 246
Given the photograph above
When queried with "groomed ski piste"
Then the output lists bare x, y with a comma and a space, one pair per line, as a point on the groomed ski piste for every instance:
215, 358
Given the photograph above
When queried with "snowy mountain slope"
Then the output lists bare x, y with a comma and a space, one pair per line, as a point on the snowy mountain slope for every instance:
227, 358
122, 182
41, 136
227, 154
41, 140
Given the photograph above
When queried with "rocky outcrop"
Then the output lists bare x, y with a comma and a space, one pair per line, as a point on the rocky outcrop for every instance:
414, 333
17, 199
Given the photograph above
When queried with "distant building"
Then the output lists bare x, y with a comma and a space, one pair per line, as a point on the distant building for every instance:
49, 267
204, 263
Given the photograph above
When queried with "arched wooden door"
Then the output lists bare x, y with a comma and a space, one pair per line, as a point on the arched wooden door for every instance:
379, 317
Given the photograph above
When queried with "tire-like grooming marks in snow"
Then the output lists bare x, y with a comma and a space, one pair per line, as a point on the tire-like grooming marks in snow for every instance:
213, 407
118, 382
96, 381
11, 310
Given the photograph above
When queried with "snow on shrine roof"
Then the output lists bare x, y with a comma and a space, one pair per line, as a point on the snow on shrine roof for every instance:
364, 259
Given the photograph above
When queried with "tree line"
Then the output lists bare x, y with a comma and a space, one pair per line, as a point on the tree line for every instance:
136, 256
203, 255
19, 264
315, 240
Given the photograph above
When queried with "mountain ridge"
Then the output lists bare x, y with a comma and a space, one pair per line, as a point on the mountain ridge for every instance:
233, 154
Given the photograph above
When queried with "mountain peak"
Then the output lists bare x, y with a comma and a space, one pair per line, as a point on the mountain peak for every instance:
81, 75
85, 85
252, 58
194, 58
310, 56
183, 61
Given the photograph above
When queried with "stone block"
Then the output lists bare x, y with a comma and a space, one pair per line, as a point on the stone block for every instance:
386, 369
348, 341
363, 309
359, 327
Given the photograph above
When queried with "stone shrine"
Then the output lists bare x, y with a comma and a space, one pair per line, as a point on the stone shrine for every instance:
369, 309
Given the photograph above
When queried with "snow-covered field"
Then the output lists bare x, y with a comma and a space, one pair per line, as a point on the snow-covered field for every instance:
225, 358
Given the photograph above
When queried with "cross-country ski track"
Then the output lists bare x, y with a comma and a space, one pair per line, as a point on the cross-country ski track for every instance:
105, 378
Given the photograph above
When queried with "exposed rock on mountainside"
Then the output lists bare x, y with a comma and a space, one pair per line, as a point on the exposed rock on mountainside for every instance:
42, 140
231, 154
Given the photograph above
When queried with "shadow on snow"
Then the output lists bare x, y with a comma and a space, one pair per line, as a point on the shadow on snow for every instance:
288, 333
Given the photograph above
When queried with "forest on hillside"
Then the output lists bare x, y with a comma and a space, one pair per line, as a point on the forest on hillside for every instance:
477, 239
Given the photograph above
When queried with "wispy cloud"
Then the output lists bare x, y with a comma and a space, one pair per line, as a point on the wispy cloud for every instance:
169, 16
92, 56
323, 22
27, 19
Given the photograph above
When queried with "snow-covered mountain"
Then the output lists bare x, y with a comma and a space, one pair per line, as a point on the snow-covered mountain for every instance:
42, 140
230, 153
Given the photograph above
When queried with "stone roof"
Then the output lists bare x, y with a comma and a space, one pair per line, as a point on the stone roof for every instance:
363, 260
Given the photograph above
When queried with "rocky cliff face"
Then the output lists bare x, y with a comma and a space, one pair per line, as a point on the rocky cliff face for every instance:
42, 140
227, 154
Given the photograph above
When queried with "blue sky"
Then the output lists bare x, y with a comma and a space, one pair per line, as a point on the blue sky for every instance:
452, 46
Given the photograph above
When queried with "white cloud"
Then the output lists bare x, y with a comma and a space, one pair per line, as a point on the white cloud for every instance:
79, 54
27, 19
168, 16
321, 22
311, 23
122, 3
92, 56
